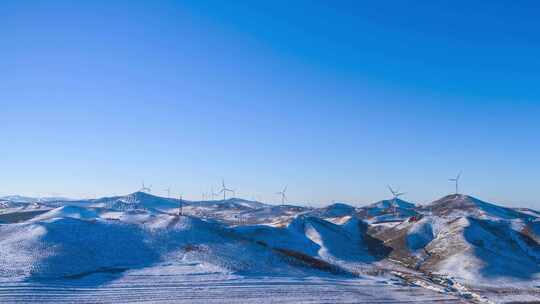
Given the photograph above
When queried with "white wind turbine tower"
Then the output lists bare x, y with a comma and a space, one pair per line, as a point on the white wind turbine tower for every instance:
282, 194
224, 189
456, 180
168, 190
145, 188
395, 195
181, 207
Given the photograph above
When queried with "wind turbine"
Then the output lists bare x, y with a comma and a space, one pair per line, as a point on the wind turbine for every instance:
395, 195
145, 189
282, 194
168, 190
456, 180
180, 209
224, 189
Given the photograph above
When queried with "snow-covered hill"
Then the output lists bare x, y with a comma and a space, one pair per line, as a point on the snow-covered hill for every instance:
463, 205
27, 199
387, 211
455, 240
335, 210
473, 241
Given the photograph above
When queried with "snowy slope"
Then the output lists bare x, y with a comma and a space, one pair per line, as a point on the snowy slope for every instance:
387, 211
458, 238
474, 241
231, 203
134, 201
464, 205
271, 215
334, 210
70, 242
337, 213
233, 210
29, 200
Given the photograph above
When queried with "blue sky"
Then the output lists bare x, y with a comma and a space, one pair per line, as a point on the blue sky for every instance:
335, 99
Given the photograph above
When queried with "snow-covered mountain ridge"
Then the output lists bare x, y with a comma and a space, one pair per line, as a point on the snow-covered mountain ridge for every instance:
458, 238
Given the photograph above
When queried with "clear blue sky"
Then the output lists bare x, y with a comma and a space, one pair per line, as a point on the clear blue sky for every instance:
337, 99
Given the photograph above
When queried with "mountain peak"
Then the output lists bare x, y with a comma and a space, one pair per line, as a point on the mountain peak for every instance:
141, 194
340, 206
466, 205
334, 210
390, 203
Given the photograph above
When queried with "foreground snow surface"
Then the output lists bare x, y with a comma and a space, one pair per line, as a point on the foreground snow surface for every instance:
187, 284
